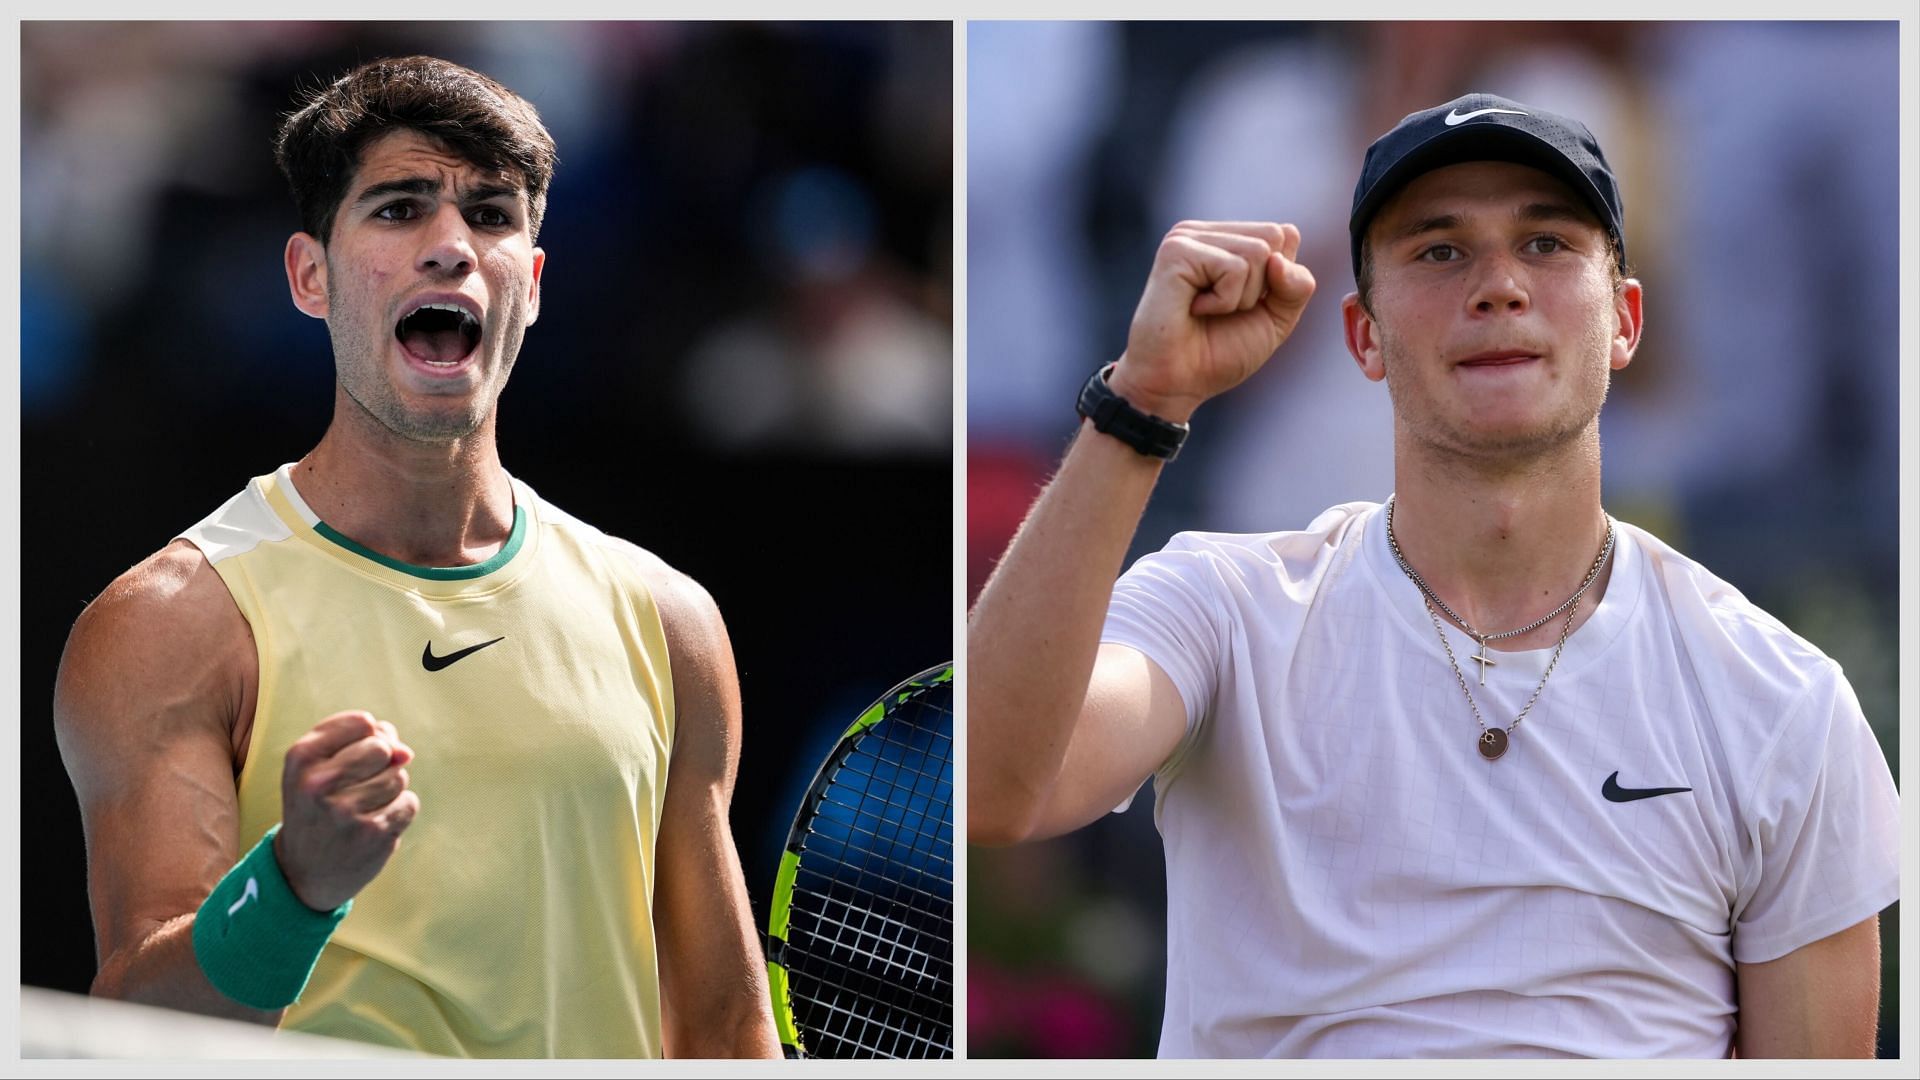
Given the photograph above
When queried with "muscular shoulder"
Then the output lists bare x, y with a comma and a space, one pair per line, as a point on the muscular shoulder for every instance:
686, 610
698, 649
162, 650
696, 634
706, 687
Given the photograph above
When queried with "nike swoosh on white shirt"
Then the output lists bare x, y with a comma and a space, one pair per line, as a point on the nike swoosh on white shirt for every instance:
1456, 117
252, 893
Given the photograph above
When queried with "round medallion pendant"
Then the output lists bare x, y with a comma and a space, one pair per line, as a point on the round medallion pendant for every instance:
1493, 743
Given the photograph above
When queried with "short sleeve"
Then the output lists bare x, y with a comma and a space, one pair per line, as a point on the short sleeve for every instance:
1167, 607
1822, 829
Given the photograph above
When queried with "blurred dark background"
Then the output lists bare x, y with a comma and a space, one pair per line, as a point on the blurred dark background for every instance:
743, 361
1757, 429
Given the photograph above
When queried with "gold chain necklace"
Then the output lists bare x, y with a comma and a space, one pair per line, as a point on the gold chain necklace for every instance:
1493, 741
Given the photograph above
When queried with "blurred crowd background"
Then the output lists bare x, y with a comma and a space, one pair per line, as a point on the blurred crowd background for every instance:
1757, 428
743, 360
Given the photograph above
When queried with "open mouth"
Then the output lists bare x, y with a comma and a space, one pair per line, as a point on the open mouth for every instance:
439, 334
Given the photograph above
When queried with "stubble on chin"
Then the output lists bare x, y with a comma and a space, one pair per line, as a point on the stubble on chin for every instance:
1441, 428
380, 403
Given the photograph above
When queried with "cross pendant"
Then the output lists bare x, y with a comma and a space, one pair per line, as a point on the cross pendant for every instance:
1484, 661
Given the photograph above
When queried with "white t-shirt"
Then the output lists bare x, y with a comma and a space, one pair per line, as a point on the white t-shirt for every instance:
1348, 877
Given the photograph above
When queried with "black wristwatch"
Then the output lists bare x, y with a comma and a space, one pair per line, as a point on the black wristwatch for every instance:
1112, 415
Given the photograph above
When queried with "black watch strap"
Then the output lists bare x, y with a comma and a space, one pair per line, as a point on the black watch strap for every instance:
1112, 415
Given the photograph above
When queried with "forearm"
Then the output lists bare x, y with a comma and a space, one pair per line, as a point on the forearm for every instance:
161, 969
1033, 636
738, 1024
718, 1005
1220, 298
713, 976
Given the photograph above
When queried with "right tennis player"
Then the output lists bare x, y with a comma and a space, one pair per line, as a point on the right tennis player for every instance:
392, 636
1478, 771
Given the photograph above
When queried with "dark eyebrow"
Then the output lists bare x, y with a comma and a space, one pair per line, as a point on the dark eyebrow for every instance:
496, 191
424, 185
411, 185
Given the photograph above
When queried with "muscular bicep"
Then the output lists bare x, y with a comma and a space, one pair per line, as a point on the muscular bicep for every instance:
1821, 1000
1131, 722
713, 978
144, 711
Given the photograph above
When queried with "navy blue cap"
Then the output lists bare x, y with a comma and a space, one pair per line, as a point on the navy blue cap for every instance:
1486, 127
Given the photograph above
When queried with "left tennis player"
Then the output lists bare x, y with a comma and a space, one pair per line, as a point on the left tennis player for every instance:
387, 747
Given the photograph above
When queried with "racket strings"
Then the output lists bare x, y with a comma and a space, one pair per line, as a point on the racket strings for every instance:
869, 876
893, 932
869, 948
852, 1032
893, 750
889, 952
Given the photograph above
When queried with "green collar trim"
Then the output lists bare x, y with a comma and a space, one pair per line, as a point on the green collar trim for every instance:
437, 573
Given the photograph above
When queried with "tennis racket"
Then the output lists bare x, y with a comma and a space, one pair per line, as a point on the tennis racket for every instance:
860, 936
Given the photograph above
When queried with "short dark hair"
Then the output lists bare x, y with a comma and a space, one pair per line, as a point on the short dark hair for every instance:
319, 144
1363, 281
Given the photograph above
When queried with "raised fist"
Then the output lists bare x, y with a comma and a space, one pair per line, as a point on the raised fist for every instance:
1220, 299
343, 803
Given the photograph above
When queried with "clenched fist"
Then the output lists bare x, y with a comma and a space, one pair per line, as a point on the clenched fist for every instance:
343, 804
1221, 298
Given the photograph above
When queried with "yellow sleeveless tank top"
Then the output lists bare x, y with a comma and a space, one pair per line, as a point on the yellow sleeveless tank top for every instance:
516, 919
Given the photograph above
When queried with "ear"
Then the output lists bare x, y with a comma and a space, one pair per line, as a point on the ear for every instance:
533, 291
307, 274
1363, 337
1627, 315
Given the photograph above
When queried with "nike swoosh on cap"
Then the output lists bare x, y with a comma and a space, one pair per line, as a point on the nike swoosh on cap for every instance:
1456, 117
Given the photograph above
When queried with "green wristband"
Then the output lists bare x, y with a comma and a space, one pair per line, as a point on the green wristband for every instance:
255, 940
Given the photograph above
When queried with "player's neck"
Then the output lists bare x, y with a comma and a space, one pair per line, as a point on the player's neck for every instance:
426, 504
1503, 545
